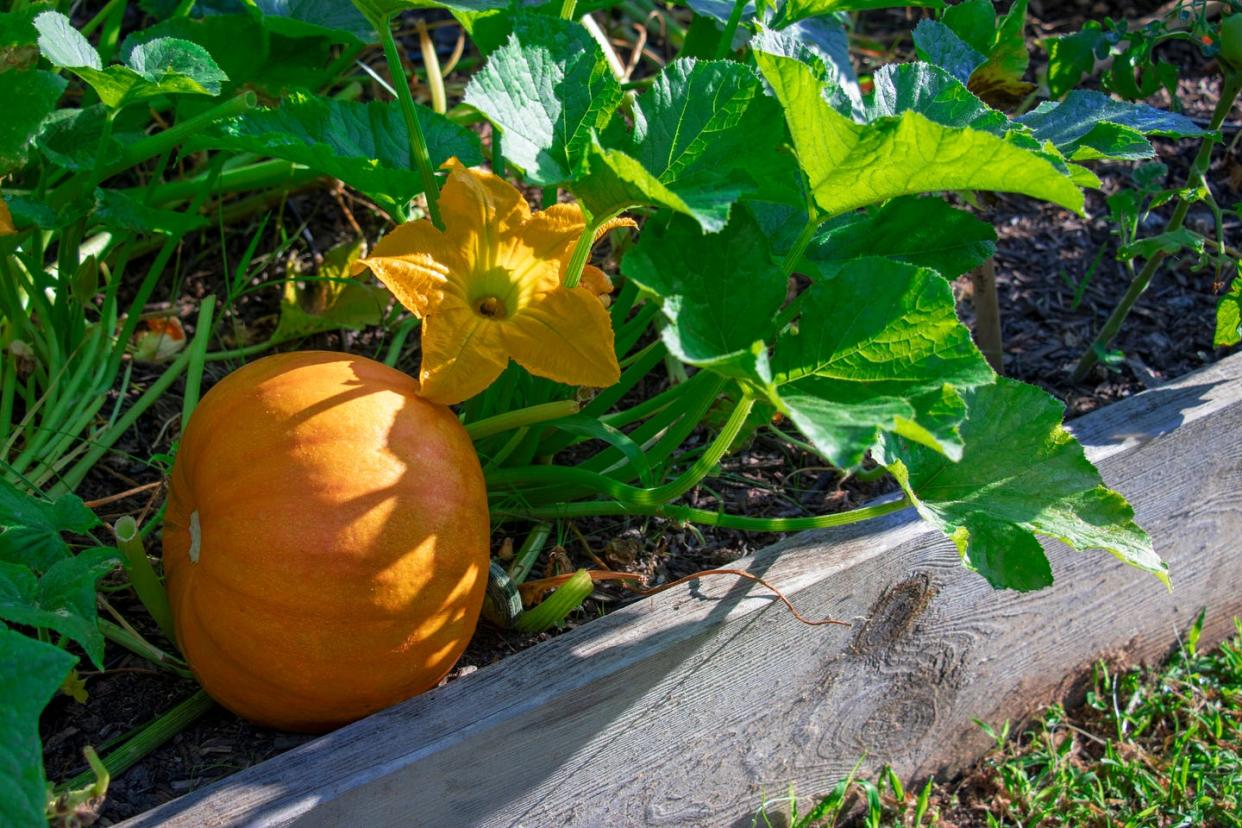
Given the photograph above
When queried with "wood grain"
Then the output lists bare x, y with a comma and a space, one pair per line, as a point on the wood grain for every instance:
688, 707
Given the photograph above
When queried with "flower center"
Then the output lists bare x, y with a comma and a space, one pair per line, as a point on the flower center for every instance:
491, 308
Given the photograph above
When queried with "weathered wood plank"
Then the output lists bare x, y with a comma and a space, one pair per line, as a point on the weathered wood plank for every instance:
685, 708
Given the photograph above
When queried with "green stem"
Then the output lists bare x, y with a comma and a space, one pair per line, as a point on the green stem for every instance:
431, 61
142, 648
554, 609
141, 574
799, 247
198, 357
419, 154
1198, 169
582, 251
529, 553
149, 738
725, 47
567, 9
511, 420
100, 16
702, 516
633, 495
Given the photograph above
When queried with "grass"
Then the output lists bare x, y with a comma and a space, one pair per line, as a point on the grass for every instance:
1148, 747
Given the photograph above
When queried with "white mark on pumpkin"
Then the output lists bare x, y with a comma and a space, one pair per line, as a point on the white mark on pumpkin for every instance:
196, 536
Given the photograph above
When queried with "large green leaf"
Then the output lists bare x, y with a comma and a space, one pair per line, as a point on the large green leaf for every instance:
720, 292
878, 348
30, 527
29, 97
702, 129
850, 165
1089, 124
62, 600
547, 88
365, 145
30, 674
921, 231
163, 66
1021, 474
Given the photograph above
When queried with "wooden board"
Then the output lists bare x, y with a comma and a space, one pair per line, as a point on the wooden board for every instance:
688, 707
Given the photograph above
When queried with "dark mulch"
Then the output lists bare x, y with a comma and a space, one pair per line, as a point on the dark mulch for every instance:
1042, 252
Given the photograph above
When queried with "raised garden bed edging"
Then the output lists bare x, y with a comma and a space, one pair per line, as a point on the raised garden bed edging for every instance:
687, 707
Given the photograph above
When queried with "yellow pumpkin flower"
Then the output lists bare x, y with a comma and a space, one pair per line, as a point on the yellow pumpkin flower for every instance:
489, 288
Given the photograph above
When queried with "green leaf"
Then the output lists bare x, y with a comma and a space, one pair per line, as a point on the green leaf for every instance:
62, 600
332, 301
878, 348
720, 292
1021, 474
1071, 57
243, 48
30, 527
850, 165
547, 88
64, 45
365, 145
1229, 316
70, 137
700, 132
1090, 124
1170, 244
119, 211
799, 9
999, 80
933, 92
925, 232
164, 66
936, 43
29, 98
383, 9
974, 21
30, 674
315, 18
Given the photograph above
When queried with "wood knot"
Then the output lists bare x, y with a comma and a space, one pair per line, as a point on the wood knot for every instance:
893, 613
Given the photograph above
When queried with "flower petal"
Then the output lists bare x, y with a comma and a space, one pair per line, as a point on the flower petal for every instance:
462, 352
597, 281
413, 262
564, 335
480, 211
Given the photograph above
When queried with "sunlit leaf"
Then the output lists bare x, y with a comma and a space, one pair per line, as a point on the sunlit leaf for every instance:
332, 300
547, 88
878, 349
850, 165
1021, 474
1229, 316
720, 292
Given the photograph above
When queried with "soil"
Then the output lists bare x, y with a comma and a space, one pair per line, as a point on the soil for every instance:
1042, 253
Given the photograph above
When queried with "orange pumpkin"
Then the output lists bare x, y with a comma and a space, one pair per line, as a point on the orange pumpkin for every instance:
326, 540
